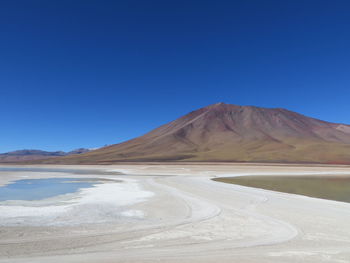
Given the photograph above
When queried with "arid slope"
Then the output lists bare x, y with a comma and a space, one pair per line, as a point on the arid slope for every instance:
224, 132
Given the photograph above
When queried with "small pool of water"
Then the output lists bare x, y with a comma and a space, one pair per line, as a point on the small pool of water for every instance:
326, 187
37, 189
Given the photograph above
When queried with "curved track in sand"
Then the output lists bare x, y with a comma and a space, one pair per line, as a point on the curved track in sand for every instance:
194, 219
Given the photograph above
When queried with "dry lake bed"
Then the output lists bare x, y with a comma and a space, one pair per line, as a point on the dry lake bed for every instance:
175, 213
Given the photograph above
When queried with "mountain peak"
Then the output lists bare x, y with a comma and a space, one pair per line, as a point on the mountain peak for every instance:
228, 107
220, 104
228, 132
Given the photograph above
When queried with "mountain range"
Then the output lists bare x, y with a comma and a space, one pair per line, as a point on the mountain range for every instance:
231, 133
29, 155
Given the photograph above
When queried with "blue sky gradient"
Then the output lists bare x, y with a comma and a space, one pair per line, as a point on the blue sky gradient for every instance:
89, 73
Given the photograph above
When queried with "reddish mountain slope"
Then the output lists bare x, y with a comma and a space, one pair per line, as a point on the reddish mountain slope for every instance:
224, 132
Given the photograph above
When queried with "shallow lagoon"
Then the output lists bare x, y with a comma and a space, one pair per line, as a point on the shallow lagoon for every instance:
327, 187
38, 189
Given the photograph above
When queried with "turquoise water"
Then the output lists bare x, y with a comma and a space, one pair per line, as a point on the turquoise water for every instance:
37, 189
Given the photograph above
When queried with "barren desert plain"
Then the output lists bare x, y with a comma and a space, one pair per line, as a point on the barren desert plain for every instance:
173, 213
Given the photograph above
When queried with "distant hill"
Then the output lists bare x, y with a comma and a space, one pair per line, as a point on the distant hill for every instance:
29, 155
224, 132
78, 151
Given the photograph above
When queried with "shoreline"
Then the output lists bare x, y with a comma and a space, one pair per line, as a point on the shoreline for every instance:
191, 218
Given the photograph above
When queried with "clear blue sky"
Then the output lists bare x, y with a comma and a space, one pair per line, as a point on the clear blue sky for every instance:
88, 73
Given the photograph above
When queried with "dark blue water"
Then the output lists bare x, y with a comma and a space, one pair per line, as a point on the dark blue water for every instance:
37, 189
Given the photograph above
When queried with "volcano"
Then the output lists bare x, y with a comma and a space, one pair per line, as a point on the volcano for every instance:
231, 133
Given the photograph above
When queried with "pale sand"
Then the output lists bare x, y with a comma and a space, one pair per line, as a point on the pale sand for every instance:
190, 218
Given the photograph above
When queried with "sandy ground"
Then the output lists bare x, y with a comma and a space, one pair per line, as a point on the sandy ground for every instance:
175, 213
